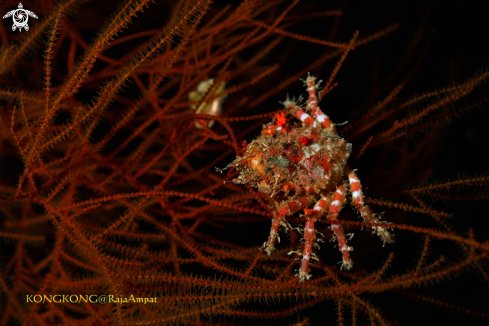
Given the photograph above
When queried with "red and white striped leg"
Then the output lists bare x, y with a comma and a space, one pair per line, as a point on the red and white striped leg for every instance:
279, 217
335, 204
364, 210
318, 209
334, 210
309, 236
312, 104
300, 114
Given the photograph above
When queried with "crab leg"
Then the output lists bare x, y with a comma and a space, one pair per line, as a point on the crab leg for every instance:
272, 238
278, 219
322, 118
364, 210
335, 204
300, 114
309, 236
334, 210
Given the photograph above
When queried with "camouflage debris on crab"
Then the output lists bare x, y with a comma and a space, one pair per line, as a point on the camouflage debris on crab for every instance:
302, 166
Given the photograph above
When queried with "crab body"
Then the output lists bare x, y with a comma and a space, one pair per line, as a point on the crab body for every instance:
303, 162
301, 166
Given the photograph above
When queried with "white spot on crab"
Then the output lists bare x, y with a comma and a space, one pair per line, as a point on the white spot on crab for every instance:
356, 194
315, 148
335, 203
321, 118
353, 178
255, 161
304, 116
311, 150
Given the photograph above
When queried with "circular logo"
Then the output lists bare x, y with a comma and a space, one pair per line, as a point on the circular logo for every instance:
20, 18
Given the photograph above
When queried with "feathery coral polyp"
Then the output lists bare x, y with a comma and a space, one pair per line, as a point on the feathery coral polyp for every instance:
114, 116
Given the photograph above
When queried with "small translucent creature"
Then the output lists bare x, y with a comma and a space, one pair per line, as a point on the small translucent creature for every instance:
212, 108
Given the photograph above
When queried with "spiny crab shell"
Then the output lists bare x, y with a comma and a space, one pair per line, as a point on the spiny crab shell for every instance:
294, 164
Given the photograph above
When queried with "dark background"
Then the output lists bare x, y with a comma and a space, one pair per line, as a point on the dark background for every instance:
442, 43
459, 36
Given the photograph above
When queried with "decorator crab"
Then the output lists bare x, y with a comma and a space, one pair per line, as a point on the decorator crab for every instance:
302, 166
